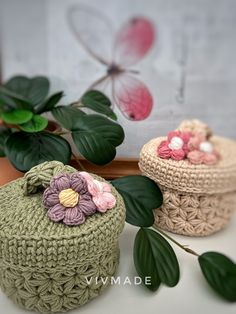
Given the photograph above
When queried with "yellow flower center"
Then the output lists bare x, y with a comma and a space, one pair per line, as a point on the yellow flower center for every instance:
69, 198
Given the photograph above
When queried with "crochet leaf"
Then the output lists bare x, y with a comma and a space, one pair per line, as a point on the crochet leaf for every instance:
220, 273
96, 138
26, 150
144, 261
141, 195
98, 102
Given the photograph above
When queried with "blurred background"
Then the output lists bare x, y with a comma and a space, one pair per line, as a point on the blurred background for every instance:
190, 71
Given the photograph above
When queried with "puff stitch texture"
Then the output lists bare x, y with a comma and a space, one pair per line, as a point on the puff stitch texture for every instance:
198, 199
43, 264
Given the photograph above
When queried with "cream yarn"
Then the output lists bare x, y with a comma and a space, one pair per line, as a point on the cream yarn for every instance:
198, 199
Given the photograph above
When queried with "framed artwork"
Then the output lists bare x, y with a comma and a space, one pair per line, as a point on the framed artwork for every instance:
184, 69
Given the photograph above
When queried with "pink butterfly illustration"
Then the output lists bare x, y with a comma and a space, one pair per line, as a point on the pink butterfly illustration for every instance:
118, 53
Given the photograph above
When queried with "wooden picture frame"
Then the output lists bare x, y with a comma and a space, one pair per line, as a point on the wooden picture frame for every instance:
119, 167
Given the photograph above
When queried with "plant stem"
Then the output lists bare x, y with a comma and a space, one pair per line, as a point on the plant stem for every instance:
183, 247
78, 162
76, 104
58, 132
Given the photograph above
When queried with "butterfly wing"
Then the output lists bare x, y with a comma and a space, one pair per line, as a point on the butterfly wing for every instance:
133, 41
132, 97
93, 30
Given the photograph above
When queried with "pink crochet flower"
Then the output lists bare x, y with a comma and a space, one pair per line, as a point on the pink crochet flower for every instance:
68, 199
202, 151
175, 147
101, 193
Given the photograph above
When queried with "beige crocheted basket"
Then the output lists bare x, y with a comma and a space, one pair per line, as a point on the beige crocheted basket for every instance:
198, 199
47, 266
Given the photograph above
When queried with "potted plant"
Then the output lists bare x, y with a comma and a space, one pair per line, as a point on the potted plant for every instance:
26, 138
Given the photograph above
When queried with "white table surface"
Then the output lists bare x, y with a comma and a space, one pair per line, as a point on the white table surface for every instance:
191, 296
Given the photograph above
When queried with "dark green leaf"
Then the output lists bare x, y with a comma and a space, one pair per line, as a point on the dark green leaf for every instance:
67, 116
96, 138
151, 247
6, 101
220, 273
4, 134
98, 102
36, 124
50, 103
17, 116
34, 89
13, 100
144, 261
26, 150
166, 260
141, 195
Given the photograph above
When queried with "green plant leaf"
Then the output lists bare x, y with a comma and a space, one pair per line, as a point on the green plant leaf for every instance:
151, 247
36, 124
26, 150
4, 134
6, 101
98, 102
17, 116
141, 195
96, 138
166, 260
14, 100
144, 261
67, 116
49, 104
34, 89
220, 273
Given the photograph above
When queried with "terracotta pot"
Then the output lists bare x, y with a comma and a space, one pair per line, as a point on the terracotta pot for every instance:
7, 171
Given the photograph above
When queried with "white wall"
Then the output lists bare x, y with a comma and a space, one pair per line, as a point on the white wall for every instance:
36, 39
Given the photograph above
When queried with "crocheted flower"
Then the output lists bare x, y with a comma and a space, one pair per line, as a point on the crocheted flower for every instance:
202, 150
68, 199
175, 147
101, 193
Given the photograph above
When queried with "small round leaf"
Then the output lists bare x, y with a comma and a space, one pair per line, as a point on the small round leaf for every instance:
36, 124
17, 116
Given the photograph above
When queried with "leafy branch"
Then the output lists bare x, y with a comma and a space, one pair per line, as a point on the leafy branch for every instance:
153, 256
26, 139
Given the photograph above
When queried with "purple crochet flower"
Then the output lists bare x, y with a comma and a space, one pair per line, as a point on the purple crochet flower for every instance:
68, 199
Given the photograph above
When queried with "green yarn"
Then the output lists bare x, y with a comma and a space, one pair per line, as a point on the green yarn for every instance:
43, 264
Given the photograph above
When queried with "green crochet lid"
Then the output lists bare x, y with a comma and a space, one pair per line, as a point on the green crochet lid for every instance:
31, 243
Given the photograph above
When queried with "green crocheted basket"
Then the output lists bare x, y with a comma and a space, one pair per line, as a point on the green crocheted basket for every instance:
49, 266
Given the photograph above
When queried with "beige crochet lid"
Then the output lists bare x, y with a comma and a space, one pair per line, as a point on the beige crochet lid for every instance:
186, 177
